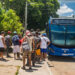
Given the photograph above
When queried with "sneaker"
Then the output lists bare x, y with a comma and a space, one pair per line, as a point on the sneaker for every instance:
8, 56
30, 68
2, 59
23, 68
27, 64
33, 65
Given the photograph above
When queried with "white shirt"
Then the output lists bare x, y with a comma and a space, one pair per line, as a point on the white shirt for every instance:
44, 41
1, 42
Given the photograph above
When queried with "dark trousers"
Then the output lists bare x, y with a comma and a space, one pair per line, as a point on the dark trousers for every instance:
8, 48
33, 56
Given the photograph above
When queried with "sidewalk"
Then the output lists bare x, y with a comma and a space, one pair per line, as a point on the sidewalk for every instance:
11, 67
39, 69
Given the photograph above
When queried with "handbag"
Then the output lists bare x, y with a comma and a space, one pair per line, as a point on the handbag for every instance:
38, 52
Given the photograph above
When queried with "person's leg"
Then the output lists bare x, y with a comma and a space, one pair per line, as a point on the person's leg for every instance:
14, 55
29, 56
1, 54
33, 58
18, 51
8, 52
27, 61
44, 54
14, 51
24, 54
18, 55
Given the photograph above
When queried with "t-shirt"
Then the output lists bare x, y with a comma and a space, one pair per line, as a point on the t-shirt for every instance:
8, 40
1, 42
26, 44
44, 41
15, 40
37, 40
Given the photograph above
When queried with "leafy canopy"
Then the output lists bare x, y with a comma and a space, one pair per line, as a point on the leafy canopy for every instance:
9, 20
39, 11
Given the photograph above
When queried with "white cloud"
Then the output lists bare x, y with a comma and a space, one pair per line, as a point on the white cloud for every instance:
64, 10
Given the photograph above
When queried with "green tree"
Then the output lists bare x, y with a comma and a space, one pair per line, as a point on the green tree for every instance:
9, 20
39, 11
2, 11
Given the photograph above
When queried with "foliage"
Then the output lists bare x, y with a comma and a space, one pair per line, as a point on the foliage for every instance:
9, 21
39, 11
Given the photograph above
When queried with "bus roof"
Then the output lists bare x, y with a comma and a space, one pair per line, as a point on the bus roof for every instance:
65, 18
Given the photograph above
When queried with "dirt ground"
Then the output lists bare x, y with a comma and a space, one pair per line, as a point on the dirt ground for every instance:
11, 70
13, 67
62, 65
9, 66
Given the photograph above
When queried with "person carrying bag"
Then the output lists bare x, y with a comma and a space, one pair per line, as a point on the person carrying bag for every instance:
26, 51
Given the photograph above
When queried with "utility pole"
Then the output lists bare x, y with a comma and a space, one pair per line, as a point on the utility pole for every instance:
26, 16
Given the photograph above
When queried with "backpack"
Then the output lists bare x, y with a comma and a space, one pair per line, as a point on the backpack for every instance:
16, 38
25, 45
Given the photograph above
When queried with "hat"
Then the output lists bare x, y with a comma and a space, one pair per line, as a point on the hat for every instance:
9, 32
28, 32
44, 34
2, 32
33, 33
14, 32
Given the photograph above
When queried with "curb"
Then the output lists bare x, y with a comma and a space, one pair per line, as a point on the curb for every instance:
49, 69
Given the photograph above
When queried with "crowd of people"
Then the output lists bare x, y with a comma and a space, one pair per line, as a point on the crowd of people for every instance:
32, 46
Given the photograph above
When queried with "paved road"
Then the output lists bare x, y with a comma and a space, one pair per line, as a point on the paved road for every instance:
62, 65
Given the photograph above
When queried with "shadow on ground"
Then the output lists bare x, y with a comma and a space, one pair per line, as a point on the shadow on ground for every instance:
4, 60
61, 58
27, 70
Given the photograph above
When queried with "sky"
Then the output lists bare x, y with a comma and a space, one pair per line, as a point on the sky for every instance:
67, 8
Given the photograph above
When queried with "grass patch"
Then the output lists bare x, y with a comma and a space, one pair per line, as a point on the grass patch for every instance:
18, 67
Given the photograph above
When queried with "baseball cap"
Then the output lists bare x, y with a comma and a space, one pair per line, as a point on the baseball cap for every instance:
44, 34
14, 32
9, 32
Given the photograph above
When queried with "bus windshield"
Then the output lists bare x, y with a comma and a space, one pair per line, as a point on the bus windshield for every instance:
63, 21
63, 35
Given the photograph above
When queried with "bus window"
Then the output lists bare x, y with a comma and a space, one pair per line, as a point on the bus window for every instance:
57, 34
63, 21
70, 40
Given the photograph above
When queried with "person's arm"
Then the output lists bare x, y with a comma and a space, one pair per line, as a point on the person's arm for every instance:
48, 41
33, 44
39, 43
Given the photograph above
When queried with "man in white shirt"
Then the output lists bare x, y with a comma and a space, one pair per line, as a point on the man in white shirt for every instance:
44, 44
2, 45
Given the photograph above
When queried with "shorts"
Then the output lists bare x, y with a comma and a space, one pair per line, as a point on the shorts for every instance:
43, 50
16, 49
2, 49
26, 53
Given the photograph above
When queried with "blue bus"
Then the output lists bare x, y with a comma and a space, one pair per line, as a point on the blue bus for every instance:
62, 36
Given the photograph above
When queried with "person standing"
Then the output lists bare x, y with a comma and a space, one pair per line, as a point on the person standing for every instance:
36, 47
2, 44
16, 45
8, 42
26, 45
44, 44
